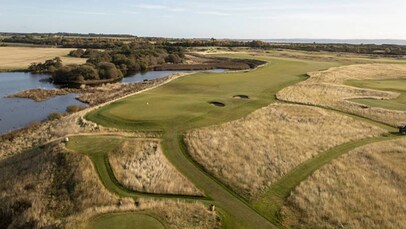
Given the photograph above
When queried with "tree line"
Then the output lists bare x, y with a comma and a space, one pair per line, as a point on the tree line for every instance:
115, 41
111, 64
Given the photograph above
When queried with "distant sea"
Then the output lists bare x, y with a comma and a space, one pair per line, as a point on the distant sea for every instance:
339, 41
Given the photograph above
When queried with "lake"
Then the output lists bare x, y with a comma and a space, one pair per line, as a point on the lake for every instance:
18, 112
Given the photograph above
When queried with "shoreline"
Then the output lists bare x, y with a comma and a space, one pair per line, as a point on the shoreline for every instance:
28, 137
16, 141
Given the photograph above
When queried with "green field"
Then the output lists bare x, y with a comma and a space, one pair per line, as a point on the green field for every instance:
395, 85
127, 220
183, 104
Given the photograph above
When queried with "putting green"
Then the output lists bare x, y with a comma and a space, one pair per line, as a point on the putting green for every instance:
128, 220
396, 85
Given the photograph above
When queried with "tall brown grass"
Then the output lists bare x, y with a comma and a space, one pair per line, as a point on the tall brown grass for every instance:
252, 153
326, 88
41, 187
18, 141
363, 189
53, 188
140, 165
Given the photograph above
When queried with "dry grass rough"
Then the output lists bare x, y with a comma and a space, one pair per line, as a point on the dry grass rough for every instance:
41, 187
251, 153
140, 165
326, 88
362, 189
52, 188
24, 139
176, 214
20, 58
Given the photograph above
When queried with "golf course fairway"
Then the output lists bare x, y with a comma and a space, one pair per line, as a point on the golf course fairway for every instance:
184, 104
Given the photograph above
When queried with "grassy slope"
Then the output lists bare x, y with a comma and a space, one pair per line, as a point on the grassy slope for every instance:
97, 148
126, 220
19, 58
396, 85
275, 197
186, 107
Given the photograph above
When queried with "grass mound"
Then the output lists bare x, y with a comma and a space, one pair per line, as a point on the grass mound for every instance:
140, 165
252, 153
364, 188
43, 186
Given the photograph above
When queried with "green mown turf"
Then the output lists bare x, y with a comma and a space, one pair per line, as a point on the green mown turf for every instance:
396, 85
183, 104
127, 220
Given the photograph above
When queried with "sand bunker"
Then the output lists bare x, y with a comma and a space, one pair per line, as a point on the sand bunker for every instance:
217, 104
241, 97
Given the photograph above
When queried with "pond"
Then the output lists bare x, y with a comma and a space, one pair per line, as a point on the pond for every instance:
18, 112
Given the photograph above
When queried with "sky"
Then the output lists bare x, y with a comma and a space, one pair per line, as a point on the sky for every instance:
235, 19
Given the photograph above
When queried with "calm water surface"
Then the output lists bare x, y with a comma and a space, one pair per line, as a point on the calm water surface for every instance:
17, 113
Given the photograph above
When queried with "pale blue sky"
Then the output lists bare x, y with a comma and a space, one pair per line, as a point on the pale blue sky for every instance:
253, 19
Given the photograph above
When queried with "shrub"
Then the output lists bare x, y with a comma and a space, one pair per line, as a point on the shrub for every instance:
77, 53
74, 108
109, 71
55, 116
173, 58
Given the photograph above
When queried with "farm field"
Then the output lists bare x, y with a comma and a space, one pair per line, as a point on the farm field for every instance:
20, 58
398, 86
335, 196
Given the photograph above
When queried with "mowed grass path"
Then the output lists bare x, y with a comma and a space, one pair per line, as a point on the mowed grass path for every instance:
183, 104
396, 85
